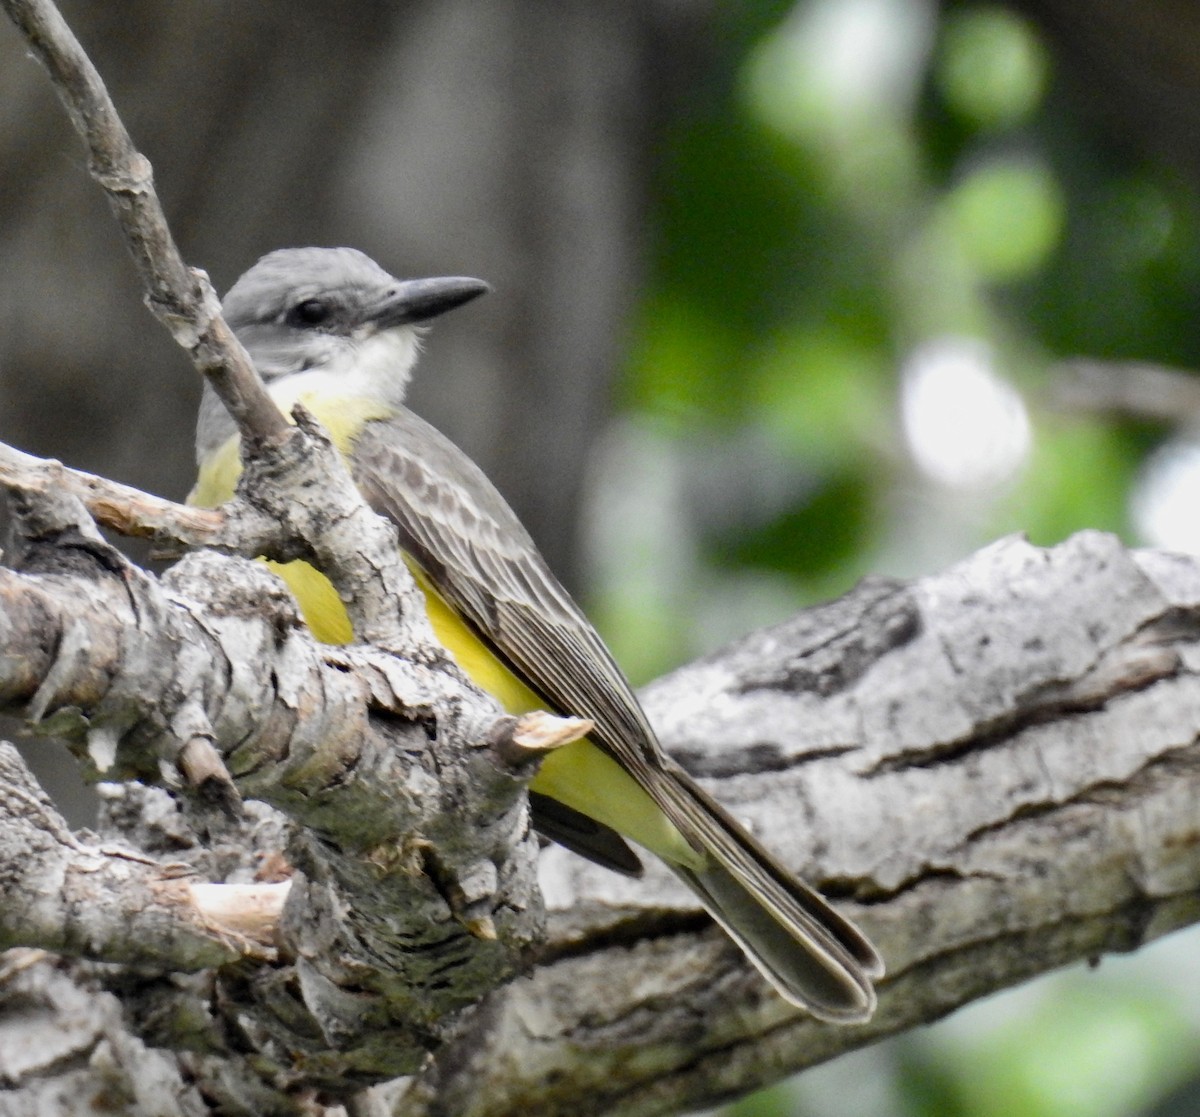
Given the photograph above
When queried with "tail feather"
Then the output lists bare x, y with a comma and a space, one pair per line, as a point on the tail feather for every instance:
804, 969
814, 956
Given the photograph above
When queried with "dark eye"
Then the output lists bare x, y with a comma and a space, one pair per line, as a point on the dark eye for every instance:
311, 312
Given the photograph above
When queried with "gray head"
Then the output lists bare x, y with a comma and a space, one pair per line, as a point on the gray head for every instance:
304, 308
334, 313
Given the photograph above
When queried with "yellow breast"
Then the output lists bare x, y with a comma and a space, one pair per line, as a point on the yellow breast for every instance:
580, 774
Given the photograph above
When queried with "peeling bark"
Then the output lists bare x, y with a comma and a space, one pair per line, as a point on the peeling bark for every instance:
414, 891
994, 769
316, 872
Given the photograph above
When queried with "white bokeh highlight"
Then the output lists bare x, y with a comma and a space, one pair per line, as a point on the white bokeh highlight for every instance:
1165, 504
966, 426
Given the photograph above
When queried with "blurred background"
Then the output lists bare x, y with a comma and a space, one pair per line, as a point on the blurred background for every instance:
785, 293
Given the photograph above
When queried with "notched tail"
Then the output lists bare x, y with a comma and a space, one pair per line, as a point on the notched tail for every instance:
814, 956
805, 966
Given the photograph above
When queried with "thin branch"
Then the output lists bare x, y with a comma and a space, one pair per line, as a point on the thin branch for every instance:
295, 500
1127, 389
383, 603
133, 513
181, 298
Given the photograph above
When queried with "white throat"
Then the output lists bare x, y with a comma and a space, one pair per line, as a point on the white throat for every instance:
377, 367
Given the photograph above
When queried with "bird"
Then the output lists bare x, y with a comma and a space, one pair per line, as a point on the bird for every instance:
331, 329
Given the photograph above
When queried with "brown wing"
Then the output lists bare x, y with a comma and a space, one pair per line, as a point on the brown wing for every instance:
474, 549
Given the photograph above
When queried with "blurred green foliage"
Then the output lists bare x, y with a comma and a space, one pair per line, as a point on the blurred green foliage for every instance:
1090, 1050
851, 179
854, 179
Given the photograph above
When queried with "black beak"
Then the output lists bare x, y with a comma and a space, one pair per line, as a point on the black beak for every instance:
418, 300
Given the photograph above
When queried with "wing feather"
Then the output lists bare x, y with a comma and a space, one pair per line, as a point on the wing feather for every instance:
463, 534
472, 547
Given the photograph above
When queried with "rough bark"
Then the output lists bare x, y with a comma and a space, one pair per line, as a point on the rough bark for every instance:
315, 872
413, 892
994, 769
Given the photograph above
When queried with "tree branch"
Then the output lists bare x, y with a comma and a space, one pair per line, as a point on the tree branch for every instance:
404, 785
181, 297
127, 510
995, 767
76, 897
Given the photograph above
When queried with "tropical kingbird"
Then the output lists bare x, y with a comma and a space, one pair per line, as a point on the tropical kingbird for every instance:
329, 328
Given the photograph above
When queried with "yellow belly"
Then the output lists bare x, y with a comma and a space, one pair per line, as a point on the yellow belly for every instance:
580, 774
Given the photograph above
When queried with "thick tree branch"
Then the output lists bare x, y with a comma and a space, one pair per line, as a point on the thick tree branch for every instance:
405, 784
995, 768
